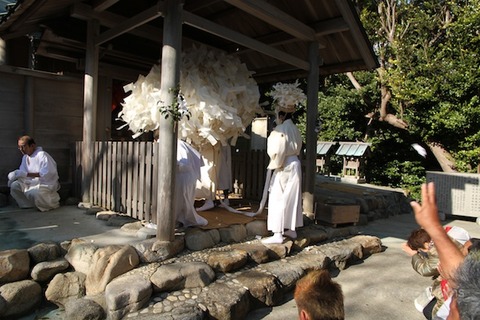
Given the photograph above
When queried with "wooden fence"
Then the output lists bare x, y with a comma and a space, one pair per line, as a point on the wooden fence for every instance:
125, 176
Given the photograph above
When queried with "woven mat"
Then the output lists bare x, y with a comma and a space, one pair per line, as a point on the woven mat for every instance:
220, 218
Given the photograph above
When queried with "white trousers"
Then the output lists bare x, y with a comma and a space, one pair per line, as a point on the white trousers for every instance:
41, 196
285, 198
184, 200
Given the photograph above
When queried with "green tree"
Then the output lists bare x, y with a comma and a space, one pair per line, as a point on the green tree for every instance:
426, 89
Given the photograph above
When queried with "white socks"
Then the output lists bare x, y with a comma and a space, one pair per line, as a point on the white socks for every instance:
276, 238
279, 238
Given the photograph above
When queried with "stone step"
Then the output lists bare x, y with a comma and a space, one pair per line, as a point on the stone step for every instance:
222, 282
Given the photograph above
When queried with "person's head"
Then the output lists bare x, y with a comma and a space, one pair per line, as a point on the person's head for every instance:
419, 240
466, 285
472, 244
26, 145
318, 297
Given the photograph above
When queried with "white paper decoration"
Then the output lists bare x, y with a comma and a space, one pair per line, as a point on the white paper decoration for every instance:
219, 92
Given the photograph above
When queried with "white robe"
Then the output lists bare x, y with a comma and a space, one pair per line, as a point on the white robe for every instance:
216, 173
224, 171
40, 192
189, 163
285, 197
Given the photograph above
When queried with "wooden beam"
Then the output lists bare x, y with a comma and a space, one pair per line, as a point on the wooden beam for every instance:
199, 4
130, 24
81, 11
38, 73
19, 22
358, 34
275, 17
326, 27
102, 5
341, 67
21, 32
108, 19
228, 34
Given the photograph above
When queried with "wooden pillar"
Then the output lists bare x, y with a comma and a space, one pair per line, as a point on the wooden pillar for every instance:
311, 139
89, 108
28, 100
170, 79
28, 105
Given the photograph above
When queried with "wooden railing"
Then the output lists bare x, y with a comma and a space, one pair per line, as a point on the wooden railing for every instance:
124, 176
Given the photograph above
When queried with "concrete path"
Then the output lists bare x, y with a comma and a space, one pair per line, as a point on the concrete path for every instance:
382, 286
22, 228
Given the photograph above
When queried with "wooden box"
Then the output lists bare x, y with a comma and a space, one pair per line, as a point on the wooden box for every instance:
337, 213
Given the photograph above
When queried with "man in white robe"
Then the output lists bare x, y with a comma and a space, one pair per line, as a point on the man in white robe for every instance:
285, 198
189, 163
35, 182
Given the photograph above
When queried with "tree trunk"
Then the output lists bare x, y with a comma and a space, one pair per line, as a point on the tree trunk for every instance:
443, 157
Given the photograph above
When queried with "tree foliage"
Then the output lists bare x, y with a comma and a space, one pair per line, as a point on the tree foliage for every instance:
426, 89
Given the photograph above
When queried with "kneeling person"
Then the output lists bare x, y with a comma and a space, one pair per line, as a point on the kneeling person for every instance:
35, 182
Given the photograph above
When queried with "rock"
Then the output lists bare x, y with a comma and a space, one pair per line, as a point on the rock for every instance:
280, 250
362, 220
80, 256
344, 232
264, 288
44, 252
20, 297
65, 286
132, 227
226, 301
152, 250
286, 272
119, 220
14, 265
107, 263
46, 270
257, 228
186, 311
177, 276
370, 244
196, 239
72, 201
126, 294
226, 261
90, 210
83, 309
146, 233
315, 233
105, 215
310, 260
340, 252
257, 252
233, 233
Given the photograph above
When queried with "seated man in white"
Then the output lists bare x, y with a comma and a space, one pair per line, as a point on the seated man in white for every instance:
35, 182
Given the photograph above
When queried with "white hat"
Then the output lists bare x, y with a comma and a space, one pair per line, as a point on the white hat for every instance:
458, 233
